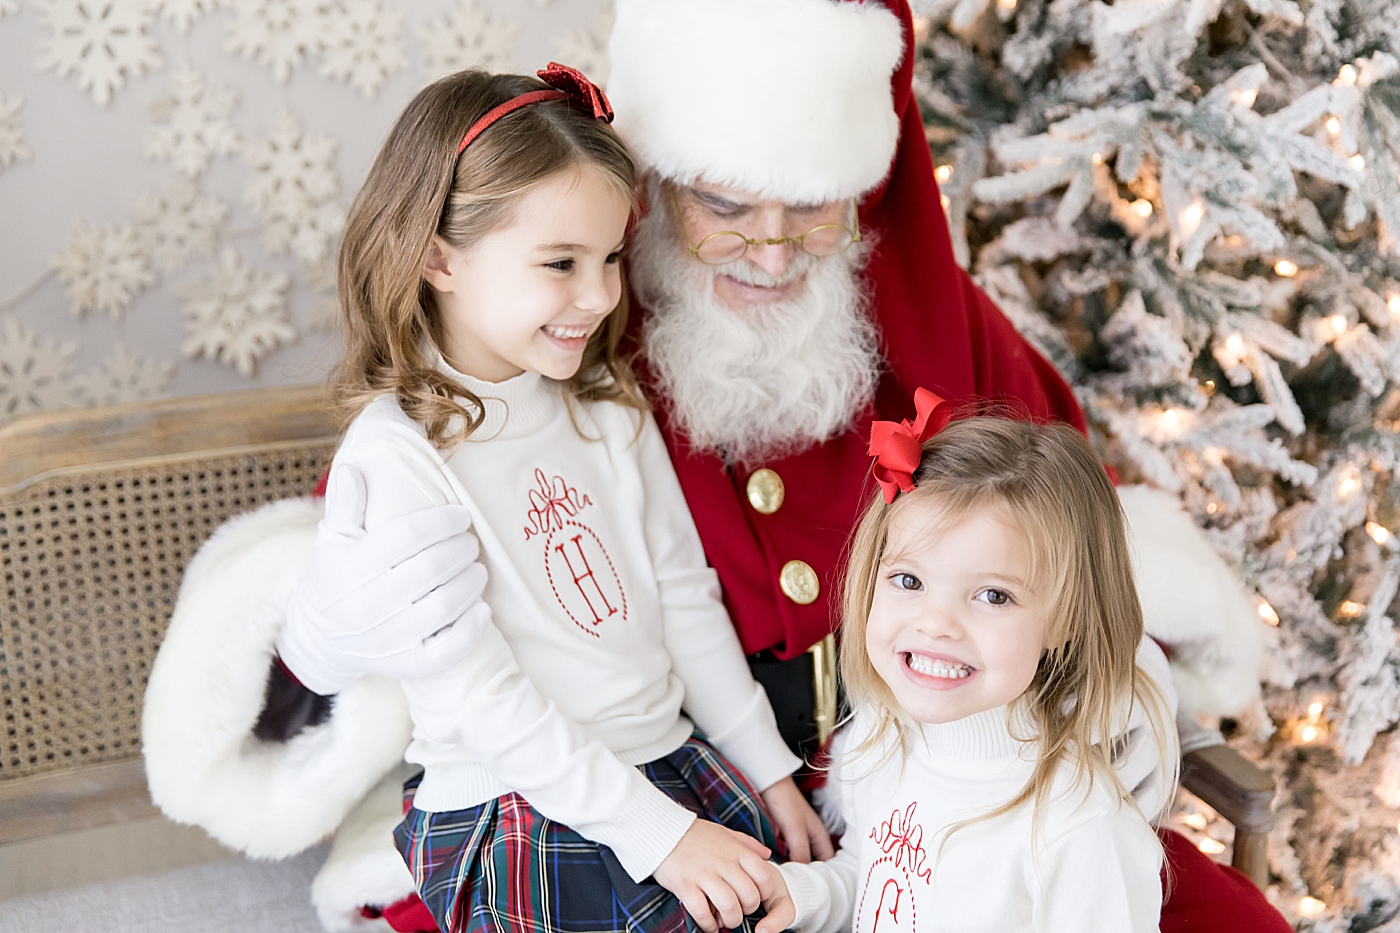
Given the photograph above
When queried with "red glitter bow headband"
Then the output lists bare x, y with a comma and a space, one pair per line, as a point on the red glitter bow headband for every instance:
897, 446
566, 84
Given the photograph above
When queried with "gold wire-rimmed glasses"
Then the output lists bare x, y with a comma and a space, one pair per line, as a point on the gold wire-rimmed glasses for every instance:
730, 245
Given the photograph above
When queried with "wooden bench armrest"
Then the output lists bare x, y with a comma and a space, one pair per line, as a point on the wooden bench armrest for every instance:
1234, 786
1241, 792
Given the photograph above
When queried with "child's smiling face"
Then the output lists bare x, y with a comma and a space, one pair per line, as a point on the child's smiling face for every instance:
528, 296
955, 627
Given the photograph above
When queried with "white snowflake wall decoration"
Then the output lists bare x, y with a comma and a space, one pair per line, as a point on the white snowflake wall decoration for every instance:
363, 45
278, 33
293, 188
469, 38
183, 13
587, 49
34, 375
237, 315
124, 377
104, 268
103, 41
190, 124
13, 148
179, 224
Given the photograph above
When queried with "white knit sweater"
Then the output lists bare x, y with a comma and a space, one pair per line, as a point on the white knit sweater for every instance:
606, 617
1088, 865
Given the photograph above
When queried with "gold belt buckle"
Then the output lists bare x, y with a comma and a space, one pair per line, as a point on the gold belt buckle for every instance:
824, 686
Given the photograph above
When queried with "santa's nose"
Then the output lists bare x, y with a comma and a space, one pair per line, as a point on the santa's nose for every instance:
773, 258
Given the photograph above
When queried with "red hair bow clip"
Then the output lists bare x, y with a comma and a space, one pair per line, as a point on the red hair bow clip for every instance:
581, 91
897, 446
565, 83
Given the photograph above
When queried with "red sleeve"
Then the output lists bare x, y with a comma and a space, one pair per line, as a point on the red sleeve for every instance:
1009, 370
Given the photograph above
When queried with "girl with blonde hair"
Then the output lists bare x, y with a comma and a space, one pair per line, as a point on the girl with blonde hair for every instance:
563, 786
990, 639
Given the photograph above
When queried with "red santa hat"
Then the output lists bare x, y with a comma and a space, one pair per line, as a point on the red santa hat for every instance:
790, 99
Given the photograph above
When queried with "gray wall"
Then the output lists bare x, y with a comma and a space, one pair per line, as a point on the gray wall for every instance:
87, 162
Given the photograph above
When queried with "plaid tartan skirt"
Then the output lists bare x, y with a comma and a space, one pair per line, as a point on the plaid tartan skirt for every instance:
502, 867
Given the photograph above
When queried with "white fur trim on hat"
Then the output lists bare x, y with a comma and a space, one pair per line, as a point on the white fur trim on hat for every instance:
788, 99
364, 868
1193, 603
206, 690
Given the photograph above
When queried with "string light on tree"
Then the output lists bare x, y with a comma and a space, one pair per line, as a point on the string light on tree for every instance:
1191, 217
1334, 126
1348, 609
1336, 325
1357, 162
1170, 423
1210, 847
1379, 533
1312, 727
1142, 207
1393, 303
1311, 907
1245, 98
943, 173
1266, 612
1349, 484
1097, 158
1286, 268
1346, 76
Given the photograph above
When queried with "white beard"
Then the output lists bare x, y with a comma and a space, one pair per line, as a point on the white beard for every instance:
765, 381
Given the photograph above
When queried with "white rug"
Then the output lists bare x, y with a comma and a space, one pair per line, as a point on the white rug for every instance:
241, 896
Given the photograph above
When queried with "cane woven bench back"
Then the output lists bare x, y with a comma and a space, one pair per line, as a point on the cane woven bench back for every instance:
94, 541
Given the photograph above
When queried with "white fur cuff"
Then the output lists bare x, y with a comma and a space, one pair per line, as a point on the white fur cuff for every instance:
1193, 603
206, 691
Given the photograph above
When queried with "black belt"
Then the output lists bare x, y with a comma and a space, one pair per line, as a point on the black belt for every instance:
802, 692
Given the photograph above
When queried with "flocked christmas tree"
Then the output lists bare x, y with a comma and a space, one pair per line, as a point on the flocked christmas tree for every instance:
1191, 207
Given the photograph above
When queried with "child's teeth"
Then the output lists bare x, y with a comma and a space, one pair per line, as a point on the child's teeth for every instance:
939, 668
566, 333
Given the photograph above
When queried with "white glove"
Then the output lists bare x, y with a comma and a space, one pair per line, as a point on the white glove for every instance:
403, 602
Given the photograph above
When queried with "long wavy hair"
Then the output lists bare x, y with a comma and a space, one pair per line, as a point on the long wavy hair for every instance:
419, 186
1046, 482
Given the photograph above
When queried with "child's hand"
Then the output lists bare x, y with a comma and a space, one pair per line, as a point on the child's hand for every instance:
714, 865
781, 911
797, 823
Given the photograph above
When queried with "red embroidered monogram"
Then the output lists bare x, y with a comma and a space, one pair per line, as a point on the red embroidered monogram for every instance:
903, 839
583, 578
891, 877
550, 503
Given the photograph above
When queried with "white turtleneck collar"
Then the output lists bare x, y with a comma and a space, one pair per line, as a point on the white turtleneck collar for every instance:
518, 406
991, 735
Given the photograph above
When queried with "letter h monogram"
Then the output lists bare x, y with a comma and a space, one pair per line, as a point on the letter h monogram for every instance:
586, 575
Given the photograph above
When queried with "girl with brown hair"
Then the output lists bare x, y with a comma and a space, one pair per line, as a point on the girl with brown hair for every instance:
482, 295
989, 639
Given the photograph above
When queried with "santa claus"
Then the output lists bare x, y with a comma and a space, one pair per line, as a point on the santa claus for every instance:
792, 279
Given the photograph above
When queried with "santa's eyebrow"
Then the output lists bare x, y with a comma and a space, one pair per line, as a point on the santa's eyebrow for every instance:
715, 200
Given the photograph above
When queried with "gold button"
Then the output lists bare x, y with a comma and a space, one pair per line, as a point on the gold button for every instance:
799, 582
766, 491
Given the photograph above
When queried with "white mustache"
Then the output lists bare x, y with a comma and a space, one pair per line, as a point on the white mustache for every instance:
758, 383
